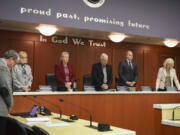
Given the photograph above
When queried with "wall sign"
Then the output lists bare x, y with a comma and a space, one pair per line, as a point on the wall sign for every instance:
75, 41
155, 18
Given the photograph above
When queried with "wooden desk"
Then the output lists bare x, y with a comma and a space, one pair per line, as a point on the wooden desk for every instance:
129, 110
79, 127
164, 124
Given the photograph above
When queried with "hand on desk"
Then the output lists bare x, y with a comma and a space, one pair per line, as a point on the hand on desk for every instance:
25, 88
104, 86
130, 83
68, 85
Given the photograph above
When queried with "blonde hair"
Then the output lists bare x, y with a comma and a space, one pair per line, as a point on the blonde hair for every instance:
64, 53
22, 54
169, 61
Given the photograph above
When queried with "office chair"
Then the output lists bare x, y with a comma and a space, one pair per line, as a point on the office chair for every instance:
146, 88
87, 83
51, 81
118, 86
168, 88
15, 127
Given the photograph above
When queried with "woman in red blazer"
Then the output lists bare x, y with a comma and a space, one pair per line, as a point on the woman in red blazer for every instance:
64, 73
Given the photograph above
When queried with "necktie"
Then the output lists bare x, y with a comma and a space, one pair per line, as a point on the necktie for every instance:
130, 64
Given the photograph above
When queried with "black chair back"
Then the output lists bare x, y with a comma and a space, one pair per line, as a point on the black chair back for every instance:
88, 83
117, 82
15, 127
146, 88
51, 81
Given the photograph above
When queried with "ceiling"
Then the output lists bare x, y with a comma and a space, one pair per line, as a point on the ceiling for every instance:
66, 31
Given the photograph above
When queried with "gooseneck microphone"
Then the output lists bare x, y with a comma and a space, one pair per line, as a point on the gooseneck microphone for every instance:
32, 100
84, 109
50, 103
173, 113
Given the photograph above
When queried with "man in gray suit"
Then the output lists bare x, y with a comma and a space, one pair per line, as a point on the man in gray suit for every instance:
6, 98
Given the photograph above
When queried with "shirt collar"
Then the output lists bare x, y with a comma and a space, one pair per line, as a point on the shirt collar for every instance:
4, 61
103, 65
128, 61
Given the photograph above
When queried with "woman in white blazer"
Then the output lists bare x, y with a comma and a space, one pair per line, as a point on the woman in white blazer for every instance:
167, 76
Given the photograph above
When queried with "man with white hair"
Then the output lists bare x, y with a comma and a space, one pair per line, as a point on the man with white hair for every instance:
102, 74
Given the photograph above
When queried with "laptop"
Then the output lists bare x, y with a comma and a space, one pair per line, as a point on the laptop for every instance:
32, 113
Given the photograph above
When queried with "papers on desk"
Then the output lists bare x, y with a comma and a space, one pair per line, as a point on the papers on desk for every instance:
122, 133
46, 122
45, 88
89, 88
37, 120
56, 124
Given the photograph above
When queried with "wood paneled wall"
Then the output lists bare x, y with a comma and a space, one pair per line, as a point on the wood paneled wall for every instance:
43, 56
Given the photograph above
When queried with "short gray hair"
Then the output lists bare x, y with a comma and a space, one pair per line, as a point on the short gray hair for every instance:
11, 54
64, 53
103, 55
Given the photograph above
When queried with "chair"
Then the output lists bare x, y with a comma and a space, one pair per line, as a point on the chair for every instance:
122, 88
118, 86
146, 88
117, 81
168, 88
87, 83
15, 127
51, 81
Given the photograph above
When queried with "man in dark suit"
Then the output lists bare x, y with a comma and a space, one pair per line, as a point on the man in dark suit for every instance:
102, 74
128, 72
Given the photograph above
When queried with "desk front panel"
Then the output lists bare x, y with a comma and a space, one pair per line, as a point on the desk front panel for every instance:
130, 111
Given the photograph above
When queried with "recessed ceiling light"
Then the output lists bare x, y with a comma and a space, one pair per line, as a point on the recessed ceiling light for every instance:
117, 37
171, 42
47, 30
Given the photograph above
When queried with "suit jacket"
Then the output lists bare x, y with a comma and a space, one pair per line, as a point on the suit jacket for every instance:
60, 74
6, 98
126, 73
22, 76
98, 76
161, 78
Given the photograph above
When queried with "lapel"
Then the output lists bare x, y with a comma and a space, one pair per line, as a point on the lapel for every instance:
171, 74
164, 71
107, 69
70, 69
127, 65
100, 68
132, 65
2, 62
62, 68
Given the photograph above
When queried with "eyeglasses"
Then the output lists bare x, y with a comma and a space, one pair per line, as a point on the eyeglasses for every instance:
23, 57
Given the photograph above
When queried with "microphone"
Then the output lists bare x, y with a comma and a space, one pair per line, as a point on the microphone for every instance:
52, 104
32, 100
173, 112
84, 109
